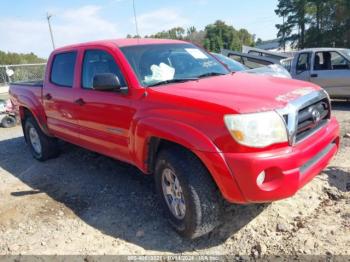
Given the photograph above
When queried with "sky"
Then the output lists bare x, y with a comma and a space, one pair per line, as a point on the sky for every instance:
24, 28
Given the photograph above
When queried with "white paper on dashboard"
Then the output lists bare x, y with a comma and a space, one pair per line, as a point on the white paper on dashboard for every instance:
196, 53
163, 72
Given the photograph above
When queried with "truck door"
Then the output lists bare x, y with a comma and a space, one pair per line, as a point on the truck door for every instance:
59, 93
302, 67
331, 70
104, 116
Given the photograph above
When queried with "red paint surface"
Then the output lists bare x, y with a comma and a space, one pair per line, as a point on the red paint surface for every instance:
190, 114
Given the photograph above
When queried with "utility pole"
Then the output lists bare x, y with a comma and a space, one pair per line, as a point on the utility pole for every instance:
135, 17
48, 17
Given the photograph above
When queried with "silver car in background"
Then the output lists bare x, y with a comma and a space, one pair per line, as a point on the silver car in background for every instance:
268, 70
326, 67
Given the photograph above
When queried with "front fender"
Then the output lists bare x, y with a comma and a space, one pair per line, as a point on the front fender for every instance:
192, 139
171, 130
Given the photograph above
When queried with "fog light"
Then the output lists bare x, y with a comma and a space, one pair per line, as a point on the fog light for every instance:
261, 178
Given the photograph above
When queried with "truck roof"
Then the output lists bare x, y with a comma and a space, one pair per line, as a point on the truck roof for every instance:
321, 49
125, 42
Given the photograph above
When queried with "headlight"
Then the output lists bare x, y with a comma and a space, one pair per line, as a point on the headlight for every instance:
258, 129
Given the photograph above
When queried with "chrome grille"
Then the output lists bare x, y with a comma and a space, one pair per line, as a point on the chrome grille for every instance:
312, 118
306, 115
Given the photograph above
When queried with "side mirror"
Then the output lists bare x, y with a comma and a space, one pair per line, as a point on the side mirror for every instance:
106, 82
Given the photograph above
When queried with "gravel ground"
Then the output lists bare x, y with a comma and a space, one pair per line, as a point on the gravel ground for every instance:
85, 203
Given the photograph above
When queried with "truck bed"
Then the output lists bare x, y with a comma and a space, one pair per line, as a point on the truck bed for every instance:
26, 89
38, 83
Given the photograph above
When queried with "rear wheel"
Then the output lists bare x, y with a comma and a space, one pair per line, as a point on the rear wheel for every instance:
190, 198
8, 121
41, 146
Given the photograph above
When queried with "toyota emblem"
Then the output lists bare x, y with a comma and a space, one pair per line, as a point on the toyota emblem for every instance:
316, 116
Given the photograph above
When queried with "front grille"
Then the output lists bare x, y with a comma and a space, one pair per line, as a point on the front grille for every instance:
311, 118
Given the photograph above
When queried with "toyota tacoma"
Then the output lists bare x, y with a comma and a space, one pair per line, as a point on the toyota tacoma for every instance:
168, 107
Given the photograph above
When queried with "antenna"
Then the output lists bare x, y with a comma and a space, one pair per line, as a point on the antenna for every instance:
48, 17
135, 17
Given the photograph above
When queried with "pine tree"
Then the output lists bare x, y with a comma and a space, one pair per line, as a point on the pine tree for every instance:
314, 23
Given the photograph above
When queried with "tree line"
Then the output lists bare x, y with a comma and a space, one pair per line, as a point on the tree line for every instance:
214, 37
314, 23
16, 58
307, 23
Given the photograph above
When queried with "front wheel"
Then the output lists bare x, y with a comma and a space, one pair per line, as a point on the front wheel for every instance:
41, 146
190, 198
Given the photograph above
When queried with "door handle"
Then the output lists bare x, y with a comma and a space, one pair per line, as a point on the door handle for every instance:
48, 96
80, 101
314, 75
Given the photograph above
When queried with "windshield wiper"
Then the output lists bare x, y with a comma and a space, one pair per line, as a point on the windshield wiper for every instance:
211, 74
175, 80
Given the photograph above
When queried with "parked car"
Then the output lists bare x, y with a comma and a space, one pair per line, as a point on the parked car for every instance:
172, 110
277, 56
249, 60
231, 64
270, 70
326, 67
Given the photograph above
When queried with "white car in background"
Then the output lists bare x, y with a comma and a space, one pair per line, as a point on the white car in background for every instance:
326, 67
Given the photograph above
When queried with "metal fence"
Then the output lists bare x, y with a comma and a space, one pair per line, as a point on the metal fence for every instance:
22, 72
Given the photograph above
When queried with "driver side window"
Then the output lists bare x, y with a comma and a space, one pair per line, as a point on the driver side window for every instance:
303, 63
99, 62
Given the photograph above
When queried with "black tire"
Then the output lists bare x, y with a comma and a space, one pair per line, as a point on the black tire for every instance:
49, 145
203, 201
8, 121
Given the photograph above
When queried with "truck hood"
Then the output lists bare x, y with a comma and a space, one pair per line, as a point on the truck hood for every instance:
243, 93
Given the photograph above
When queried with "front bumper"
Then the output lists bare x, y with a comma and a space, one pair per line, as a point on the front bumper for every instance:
287, 169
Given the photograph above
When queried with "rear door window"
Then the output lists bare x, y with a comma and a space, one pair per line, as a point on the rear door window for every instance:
330, 61
62, 71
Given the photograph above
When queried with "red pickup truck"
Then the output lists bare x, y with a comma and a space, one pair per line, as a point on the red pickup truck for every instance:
174, 111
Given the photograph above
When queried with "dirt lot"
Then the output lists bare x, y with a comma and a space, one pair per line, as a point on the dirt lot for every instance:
84, 203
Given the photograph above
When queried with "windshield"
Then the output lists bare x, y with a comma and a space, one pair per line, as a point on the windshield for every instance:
167, 63
346, 52
287, 64
233, 65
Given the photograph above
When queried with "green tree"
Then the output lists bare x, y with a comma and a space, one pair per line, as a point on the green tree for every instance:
284, 7
222, 36
195, 36
177, 33
246, 38
341, 16
215, 36
295, 17
173, 33
258, 41
191, 30
17, 58
314, 23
